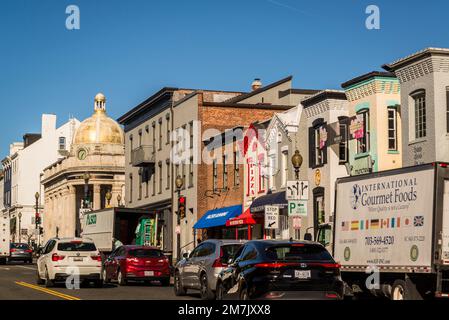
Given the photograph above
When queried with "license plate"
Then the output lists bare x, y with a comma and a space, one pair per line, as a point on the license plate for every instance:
77, 259
302, 274
149, 273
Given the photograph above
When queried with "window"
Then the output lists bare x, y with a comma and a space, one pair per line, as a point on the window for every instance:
131, 147
236, 169
420, 114
167, 162
130, 187
62, 143
140, 185
343, 145
140, 138
447, 109
317, 144
284, 167
319, 215
191, 173
154, 137
183, 172
184, 138
160, 176
363, 144
168, 127
191, 134
214, 175
147, 178
153, 177
392, 129
160, 134
225, 173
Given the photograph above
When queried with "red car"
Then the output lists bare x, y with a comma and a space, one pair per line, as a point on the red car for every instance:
136, 263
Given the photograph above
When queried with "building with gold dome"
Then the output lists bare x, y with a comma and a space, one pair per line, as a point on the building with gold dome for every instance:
90, 177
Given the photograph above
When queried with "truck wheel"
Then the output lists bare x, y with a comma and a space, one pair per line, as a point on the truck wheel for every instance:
398, 291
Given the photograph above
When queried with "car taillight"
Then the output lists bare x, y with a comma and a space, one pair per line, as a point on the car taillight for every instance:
218, 262
327, 265
96, 258
274, 265
331, 295
12, 250
28, 251
55, 257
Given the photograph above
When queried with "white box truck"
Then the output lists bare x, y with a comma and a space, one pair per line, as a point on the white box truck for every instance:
395, 222
4, 238
129, 226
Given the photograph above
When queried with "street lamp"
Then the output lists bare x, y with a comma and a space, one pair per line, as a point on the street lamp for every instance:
20, 228
179, 183
37, 218
297, 163
86, 178
119, 199
108, 198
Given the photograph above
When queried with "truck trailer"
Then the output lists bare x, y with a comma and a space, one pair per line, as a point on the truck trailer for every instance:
128, 226
394, 224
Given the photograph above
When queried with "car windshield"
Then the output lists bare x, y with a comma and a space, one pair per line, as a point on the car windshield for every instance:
22, 246
76, 246
298, 252
145, 253
229, 251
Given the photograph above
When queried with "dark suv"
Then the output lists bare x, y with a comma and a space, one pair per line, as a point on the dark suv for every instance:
270, 269
20, 252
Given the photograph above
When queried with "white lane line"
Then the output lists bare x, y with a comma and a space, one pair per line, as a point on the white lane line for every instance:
5, 268
28, 268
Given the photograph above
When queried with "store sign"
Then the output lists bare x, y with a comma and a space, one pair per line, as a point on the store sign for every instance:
271, 217
251, 178
297, 208
357, 128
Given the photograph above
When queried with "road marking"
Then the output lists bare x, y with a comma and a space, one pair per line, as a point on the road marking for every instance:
28, 268
48, 291
7, 269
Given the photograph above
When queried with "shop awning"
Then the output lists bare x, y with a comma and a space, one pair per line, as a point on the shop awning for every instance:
245, 218
218, 217
272, 199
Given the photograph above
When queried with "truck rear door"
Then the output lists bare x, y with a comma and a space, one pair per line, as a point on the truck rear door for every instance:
445, 238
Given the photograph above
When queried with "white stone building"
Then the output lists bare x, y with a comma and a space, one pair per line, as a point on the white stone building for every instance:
23, 168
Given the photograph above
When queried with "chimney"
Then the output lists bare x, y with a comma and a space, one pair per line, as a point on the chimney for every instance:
257, 84
48, 125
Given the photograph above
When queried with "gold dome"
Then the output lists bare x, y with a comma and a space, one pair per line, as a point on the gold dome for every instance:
99, 128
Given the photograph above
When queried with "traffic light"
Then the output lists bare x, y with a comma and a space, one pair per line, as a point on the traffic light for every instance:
38, 218
182, 207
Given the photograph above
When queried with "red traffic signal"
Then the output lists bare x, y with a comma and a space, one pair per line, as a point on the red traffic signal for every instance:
182, 207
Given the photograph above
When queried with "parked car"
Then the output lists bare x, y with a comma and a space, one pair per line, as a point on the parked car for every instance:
273, 269
20, 252
59, 256
137, 263
199, 271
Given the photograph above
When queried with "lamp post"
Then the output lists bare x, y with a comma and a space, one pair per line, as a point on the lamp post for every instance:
297, 163
108, 198
37, 218
119, 199
179, 183
86, 178
20, 228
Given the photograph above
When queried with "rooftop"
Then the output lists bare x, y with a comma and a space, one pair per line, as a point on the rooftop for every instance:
324, 95
415, 57
367, 76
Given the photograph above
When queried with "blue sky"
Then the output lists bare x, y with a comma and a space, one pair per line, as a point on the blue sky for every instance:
130, 49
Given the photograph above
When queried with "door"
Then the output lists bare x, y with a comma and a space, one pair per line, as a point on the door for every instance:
187, 269
45, 257
445, 246
204, 257
108, 264
119, 261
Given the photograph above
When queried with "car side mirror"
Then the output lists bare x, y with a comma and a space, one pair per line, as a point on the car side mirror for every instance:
230, 261
308, 237
185, 256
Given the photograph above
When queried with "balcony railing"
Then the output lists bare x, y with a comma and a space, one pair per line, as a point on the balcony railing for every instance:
143, 156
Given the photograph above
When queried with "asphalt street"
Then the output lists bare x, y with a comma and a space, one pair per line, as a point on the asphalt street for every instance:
18, 282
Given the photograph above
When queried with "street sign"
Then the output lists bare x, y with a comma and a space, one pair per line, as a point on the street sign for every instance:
271, 217
297, 222
297, 208
297, 190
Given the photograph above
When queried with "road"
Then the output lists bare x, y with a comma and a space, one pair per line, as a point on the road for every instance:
18, 282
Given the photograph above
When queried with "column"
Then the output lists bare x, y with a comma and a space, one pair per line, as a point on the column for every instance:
71, 216
97, 197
